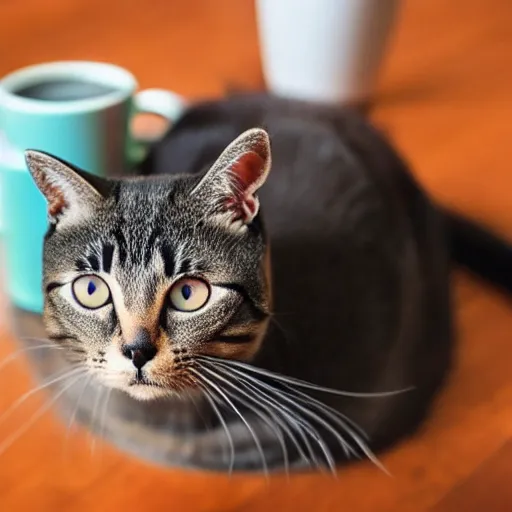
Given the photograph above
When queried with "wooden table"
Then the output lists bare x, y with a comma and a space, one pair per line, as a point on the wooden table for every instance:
446, 99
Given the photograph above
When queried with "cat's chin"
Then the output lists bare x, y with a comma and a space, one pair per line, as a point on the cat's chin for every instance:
144, 393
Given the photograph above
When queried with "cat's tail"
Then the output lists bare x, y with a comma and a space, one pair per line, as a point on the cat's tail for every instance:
480, 251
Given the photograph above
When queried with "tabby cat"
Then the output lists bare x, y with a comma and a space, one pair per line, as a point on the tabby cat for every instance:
272, 293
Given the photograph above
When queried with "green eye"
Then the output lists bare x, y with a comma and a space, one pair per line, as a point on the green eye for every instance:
189, 294
91, 292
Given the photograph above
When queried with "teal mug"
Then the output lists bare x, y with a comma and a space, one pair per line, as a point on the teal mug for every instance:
80, 112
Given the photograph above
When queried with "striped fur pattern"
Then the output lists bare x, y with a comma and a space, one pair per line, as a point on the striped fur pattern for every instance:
142, 235
327, 329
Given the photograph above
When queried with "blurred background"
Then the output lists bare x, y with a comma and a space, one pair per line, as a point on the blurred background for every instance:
443, 94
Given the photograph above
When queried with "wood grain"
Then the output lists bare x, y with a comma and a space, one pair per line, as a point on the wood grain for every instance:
445, 99
487, 489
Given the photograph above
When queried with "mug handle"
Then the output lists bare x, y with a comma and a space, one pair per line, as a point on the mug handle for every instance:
161, 102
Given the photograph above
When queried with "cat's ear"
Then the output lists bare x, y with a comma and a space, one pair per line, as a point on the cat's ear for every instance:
69, 194
231, 183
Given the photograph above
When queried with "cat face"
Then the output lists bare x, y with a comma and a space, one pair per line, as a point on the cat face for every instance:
141, 275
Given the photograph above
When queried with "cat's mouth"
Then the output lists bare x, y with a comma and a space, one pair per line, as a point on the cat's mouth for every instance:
145, 389
141, 380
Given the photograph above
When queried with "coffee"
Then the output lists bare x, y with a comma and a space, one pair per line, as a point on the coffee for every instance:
64, 90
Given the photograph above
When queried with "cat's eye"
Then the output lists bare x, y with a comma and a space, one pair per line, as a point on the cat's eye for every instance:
189, 294
91, 291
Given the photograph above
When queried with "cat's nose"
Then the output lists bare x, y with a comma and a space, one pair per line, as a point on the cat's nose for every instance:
140, 350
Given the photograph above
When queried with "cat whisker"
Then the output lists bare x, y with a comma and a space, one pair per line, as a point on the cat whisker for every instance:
72, 418
240, 396
104, 413
77, 361
347, 425
211, 401
28, 394
342, 421
346, 428
32, 339
287, 419
18, 353
63, 343
191, 398
284, 423
309, 400
336, 415
225, 399
76, 350
311, 414
256, 385
332, 414
302, 383
92, 421
273, 320
10, 440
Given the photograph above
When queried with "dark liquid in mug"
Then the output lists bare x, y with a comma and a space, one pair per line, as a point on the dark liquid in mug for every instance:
64, 90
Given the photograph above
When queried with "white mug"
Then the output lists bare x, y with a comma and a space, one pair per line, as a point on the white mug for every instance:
324, 50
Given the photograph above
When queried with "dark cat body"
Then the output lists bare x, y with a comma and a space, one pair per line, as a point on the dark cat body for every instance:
360, 259
359, 255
